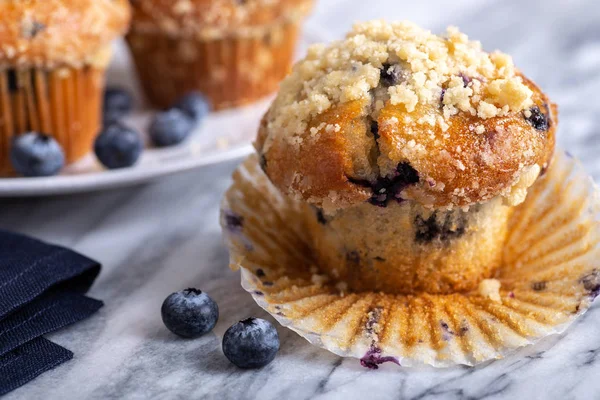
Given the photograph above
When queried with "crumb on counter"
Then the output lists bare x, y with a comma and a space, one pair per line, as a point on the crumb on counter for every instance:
490, 288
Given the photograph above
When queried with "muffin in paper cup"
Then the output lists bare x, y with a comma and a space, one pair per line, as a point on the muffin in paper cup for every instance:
234, 52
53, 55
548, 277
399, 204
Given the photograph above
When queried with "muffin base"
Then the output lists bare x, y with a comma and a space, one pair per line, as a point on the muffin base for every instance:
405, 248
64, 103
230, 71
548, 277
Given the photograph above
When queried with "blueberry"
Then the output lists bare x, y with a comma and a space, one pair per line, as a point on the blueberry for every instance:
391, 75
251, 343
375, 129
389, 187
189, 313
233, 221
537, 119
170, 127
117, 103
353, 257
321, 216
36, 154
118, 146
195, 105
429, 229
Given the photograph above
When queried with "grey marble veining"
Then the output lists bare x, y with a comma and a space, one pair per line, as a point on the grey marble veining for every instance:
164, 236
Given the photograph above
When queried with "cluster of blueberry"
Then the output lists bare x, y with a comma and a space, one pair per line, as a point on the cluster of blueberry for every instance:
191, 313
117, 146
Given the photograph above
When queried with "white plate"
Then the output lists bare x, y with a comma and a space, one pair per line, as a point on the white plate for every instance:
223, 135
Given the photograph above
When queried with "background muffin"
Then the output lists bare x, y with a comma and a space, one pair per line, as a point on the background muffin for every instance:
413, 148
233, 51
53, 54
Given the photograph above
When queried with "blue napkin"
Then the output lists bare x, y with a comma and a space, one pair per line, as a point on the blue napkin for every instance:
41, 290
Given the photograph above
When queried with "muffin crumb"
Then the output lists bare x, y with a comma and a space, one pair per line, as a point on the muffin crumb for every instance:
490, 288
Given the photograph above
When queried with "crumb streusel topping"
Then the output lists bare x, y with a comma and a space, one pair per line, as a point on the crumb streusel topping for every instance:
393, 94
421, 68
57, 33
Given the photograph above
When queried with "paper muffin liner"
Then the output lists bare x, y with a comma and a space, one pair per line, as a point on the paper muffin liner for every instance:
230, 71
549, 276
64, 103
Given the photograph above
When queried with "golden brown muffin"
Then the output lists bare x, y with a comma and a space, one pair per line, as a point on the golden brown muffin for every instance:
413, 148
233, 51
53, 54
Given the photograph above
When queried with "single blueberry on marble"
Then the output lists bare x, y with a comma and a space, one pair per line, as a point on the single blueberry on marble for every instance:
117, 103
170, 127
251, 343
35, 154
189, 313
118, 146
537, 119
195, 105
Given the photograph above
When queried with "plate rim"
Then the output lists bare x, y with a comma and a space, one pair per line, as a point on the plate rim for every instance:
106, 179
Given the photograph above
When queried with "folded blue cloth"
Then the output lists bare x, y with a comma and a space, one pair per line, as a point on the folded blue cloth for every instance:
41, 290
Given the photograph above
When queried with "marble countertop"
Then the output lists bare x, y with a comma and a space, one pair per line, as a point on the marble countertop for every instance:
162, 237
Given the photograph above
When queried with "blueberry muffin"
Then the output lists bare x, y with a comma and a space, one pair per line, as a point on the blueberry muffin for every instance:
53, 54
233, 51
410, 151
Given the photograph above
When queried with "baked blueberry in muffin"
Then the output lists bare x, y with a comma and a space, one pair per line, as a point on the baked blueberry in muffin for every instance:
414, 148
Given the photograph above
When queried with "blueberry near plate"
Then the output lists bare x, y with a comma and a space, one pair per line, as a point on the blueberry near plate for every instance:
195, 105
170, 127
34, 154
117, 103
118, 146
251, 343
189, 313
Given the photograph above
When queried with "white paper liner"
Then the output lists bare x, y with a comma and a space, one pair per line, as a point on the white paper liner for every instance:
549, 277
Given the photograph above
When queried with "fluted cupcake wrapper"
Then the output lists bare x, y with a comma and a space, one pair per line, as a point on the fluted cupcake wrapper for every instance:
230, 71
549, 276
64, 103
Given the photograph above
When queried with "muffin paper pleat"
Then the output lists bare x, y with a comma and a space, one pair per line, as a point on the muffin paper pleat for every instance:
64, 103
549, 276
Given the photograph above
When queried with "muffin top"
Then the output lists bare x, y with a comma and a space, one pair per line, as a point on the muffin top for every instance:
394, 112
214, 18
51, 33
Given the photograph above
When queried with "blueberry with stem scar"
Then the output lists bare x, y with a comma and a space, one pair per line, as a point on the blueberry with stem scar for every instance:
537, 119
251, 343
